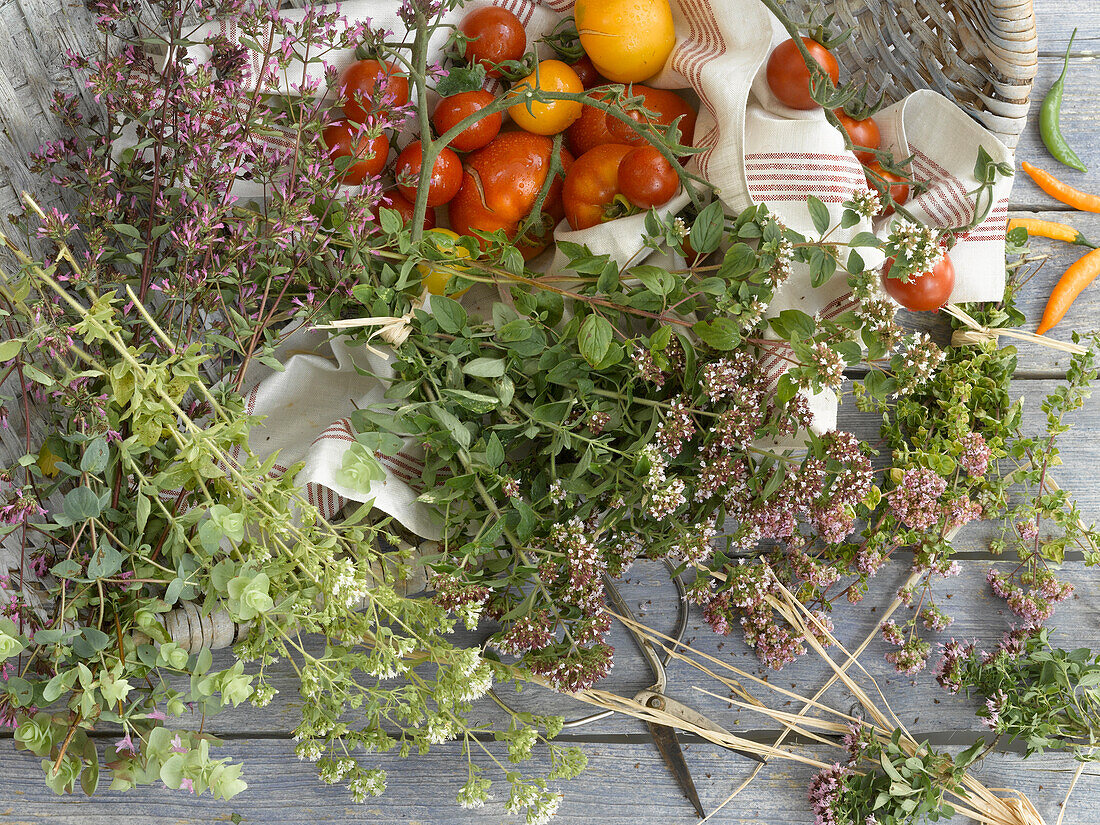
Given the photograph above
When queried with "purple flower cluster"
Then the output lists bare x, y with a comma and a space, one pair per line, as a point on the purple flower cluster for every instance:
575, 669
915, 501
825, 792
1035, 605
975, 456
952, 667
676, 427
21, 506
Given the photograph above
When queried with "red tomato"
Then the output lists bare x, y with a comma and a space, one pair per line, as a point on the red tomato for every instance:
368, 84
500, 184
667, 105
454, 109
592, 184
405, 208
589, 130
495, 35
646, 177
861, 133
445, 180
898, 191
588, 73
924, 292
788, 76
343, 140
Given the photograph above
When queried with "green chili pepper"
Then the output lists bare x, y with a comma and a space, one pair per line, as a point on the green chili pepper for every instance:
1049, 114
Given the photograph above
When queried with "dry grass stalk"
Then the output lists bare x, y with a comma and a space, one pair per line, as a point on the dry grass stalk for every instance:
972, 800
977, 333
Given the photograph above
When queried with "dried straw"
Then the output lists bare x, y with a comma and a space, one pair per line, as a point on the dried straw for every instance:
978, 333
972, 800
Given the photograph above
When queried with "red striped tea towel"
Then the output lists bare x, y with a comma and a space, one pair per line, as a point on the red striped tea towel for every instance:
754, 150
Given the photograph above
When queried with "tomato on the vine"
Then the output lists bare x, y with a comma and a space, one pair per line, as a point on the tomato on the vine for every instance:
404, 207
862, 133
592, 184
345, 139
554, 116
454, 109
590, 129
666, 105
587, 72
789, 77
628, 40
899, 190
435, 275
368, 84
444, 182
495, 35
500, 185
646, 178
923, 292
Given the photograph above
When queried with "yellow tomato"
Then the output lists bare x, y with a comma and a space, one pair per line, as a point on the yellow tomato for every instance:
555, 116
628, 40
435, 275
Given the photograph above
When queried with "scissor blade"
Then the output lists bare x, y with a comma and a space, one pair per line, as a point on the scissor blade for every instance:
665, 739
692, 716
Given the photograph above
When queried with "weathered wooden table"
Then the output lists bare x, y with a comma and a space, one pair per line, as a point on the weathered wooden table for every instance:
626, 781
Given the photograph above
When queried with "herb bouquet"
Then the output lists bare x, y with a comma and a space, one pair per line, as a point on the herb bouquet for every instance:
570, 422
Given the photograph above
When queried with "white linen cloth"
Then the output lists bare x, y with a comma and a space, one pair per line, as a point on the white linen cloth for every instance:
755, 150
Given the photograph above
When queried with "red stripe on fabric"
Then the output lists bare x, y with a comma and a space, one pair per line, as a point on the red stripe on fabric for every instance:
710, 138
807, 178
960, 205
395, 462
347, 439
704, 45
805, 188
519, 8
411, 459
794, 162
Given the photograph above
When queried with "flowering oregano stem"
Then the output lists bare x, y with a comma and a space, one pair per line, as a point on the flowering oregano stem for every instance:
428, 153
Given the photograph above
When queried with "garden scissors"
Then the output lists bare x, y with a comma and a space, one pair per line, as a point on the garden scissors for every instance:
664, 736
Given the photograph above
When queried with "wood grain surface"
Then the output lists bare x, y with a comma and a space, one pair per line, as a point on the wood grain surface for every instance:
626, 781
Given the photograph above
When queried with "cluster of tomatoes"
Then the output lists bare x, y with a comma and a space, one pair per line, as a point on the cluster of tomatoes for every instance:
490, 175
789, 80
493, 172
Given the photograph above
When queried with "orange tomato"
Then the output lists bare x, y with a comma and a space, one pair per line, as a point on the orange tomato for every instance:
667, 106
592, 184
554, 116
500, 185
628, 40
590, 130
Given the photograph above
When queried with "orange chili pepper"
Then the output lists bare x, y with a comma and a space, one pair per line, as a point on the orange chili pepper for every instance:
1069, 286
1050, 229
1062, 191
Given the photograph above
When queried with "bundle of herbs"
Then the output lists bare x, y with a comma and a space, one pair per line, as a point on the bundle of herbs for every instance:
573, 423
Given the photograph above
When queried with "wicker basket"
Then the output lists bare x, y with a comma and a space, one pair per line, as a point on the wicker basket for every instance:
983, 54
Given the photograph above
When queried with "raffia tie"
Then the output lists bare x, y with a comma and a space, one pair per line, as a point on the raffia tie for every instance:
393, 329
977, 333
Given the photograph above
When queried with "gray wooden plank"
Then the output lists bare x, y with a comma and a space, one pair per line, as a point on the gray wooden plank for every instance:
918, 700
625, 784
1055, 22
1080, 114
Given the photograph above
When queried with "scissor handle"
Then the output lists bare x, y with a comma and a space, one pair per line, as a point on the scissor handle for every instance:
651, 657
